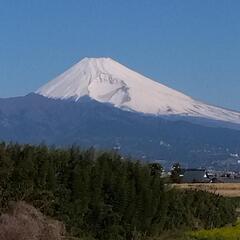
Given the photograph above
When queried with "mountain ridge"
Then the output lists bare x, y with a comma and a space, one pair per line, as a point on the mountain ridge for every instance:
35, 119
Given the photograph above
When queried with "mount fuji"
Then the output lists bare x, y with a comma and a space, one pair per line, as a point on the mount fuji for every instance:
99, 102
107, 81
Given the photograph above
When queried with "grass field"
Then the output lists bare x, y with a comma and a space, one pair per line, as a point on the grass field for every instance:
224, 189
225, 233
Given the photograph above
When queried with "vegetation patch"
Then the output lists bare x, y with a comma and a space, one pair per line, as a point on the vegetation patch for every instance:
224, 233
100, 195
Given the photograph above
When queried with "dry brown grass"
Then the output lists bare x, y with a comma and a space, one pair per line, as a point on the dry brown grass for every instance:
24, 222
224, 189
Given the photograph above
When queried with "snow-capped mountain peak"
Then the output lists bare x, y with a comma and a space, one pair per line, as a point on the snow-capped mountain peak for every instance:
107, 81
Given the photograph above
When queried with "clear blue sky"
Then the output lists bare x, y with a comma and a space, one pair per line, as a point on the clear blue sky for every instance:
190, 45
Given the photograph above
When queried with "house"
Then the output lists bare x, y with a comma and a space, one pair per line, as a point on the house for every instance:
194, 176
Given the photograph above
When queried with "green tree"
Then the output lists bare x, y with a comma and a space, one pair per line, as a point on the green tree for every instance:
176, 173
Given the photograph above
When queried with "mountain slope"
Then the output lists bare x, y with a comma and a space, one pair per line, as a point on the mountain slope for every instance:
36, 119
107, 81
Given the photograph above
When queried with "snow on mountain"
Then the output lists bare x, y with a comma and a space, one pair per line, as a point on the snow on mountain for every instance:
107, 81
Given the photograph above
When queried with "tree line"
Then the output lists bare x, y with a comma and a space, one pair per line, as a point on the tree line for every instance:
101, 195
